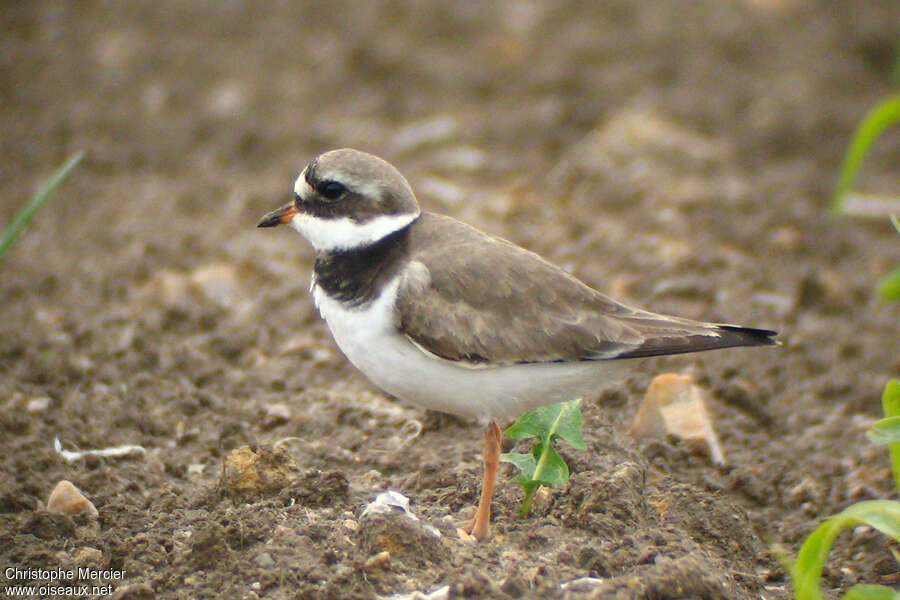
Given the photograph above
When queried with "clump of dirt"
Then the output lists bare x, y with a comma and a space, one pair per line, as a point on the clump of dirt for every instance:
675, 155
250, 473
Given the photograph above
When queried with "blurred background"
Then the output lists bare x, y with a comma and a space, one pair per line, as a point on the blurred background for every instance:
679, 155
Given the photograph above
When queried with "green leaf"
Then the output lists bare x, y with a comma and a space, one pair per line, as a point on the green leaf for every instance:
570, 424
526, 464
24, 216
885, 431
546, 422
889, 286
553, 473
871, 592
552, 470
883, 515
890, 399
882, 116
890, 403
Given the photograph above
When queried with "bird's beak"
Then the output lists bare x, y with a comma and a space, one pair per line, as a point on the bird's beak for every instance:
281, 216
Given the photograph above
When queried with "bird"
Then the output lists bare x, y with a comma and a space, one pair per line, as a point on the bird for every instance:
446, 317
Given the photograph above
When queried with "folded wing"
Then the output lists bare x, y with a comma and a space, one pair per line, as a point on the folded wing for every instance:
476, 299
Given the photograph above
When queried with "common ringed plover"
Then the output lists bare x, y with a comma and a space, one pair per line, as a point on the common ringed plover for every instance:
446, 317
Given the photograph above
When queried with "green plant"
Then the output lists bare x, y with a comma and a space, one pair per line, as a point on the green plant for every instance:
879, 118
882, 116
24, 216
544, 465
887, 430
889, 287
883, 515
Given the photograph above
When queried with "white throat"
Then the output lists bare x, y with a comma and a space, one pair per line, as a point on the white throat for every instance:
332, 235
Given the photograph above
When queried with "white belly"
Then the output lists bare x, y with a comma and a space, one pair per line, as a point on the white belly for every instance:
368, 337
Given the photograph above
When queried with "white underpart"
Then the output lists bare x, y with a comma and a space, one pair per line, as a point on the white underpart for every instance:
367, 335
330, 235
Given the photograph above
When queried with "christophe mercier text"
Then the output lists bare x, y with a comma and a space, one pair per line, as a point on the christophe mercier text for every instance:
82, 573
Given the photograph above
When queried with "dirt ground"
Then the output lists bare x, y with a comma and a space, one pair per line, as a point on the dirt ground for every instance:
678, 155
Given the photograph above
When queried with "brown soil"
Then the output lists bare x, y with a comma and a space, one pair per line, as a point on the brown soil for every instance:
677, 155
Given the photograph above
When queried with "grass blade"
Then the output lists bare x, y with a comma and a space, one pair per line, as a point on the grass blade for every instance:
889, 287
890, 403
883, 515
21, 220
882, 116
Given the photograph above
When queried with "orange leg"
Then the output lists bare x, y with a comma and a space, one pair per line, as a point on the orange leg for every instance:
481, 527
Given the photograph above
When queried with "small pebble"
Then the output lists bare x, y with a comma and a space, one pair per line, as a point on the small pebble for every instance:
279, 411
388, 502
264, 560
87, 555
376, 561
441, 593
387, 525
393, 503
673, 405
257, 472
37, 405
68, 500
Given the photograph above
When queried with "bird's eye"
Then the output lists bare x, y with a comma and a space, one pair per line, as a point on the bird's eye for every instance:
331, 189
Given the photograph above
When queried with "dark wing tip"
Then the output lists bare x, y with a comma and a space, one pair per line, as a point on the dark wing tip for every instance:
726, 336
748, 336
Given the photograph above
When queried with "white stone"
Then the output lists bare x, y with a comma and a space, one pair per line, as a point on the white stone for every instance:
674, 405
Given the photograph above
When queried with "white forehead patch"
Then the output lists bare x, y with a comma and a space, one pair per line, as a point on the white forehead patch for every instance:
332, 235
301, 183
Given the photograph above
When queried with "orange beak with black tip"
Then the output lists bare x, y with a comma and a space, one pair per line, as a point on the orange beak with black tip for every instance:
281, 216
